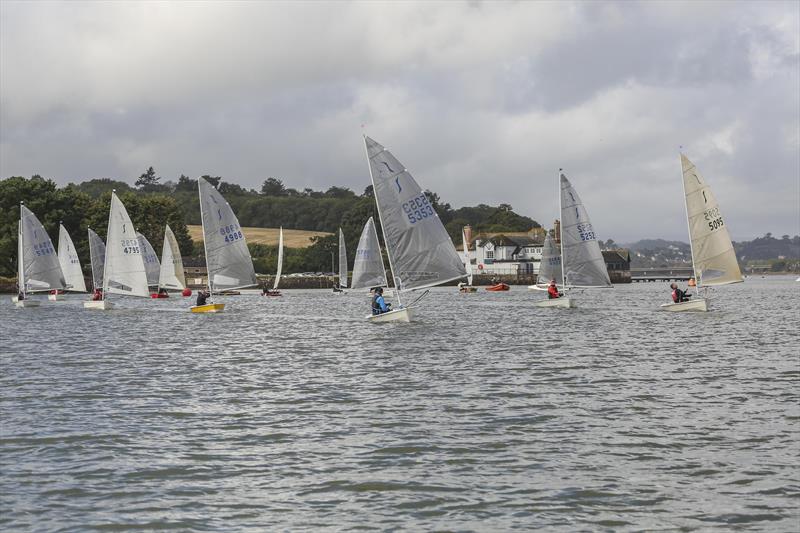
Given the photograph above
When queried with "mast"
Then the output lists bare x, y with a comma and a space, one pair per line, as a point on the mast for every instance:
202, 223
689, 228
20, 254
561, 231
105, 256
383, 231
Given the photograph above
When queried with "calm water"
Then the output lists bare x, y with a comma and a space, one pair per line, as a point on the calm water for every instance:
488, 414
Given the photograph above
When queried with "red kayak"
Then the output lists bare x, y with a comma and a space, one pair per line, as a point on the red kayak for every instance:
498, 287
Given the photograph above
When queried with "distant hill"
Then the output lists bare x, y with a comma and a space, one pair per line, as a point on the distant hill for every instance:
655, 244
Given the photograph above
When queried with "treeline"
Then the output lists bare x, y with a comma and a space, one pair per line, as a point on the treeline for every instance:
153, 202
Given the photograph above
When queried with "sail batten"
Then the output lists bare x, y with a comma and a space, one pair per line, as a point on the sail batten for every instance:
368, 269
342, 260
582, 259
69, 261
227, 257
421, 253
40, 269
124, 271
171, 275
713, 256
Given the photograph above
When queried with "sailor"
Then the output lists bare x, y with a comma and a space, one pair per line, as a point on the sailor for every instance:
552, 290
379, 305
202, 296
97, 295
678, 295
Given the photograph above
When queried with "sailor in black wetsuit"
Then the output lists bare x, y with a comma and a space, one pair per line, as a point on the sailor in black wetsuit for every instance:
678, 295
202, 296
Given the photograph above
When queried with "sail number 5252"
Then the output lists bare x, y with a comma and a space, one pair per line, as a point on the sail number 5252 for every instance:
418, 208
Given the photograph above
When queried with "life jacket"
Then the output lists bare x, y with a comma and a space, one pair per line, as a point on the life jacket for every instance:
675, 297
552, 291
376, 307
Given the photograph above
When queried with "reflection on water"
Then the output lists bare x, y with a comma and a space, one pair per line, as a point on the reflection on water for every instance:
486, 414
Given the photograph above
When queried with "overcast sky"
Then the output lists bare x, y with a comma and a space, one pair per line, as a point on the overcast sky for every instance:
482, 102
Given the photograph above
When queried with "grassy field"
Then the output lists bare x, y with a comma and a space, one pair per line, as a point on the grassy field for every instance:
292, 238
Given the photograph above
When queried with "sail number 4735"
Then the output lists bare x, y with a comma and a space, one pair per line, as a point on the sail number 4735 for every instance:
418, 208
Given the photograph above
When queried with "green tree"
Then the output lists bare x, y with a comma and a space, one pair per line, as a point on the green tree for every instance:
273, 187
148, 181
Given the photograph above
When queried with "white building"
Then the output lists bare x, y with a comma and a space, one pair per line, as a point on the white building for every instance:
507, 254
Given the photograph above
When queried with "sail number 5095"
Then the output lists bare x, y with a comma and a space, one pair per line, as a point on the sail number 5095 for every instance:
418, 208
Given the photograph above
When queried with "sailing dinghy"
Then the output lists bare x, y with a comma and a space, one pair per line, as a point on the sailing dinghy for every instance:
228, 260
342, 265
97, 258
421, 254
368, 269
468, 288
152, 266
549, 266
124, 270
38, 268
582, 263
171, 276
713, 258
70, 265
274, 291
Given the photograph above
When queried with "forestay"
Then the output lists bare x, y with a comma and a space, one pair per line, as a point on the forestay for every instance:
550, 267
39, 269
467, 259
368, 269
280, 260
97, 256
124, 271
342, 260
69, 261
584, 265
152, 266
227, 257
421, 253
712, 251
171, 275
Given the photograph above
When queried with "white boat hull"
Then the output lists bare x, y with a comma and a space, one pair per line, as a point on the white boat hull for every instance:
563, 303
397, 315
692, 305
101, 305
55, 297
25, 303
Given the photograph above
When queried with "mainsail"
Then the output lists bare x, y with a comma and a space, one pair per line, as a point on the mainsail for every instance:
280, 260
420, 251
124, 271
97, 256
550, 266
712, 251
151, 264
467, 259
171, 275
368, 269
69, 261
583, 261
39, 266
227, 257
342, 260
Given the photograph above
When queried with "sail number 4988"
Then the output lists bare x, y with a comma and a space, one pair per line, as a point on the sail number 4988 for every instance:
418, 208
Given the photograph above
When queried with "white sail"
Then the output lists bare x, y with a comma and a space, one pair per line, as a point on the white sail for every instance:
69, 261
712, 251
40, 269
550, 267
368, 269
227, 257
152, 266
124, 271
171, 275
583, 261
97, 256
420, 251
280, 260
467, 259
342, 260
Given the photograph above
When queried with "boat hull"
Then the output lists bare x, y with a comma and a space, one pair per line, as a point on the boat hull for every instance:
25, 303
101, 305
498, 288
536, 288
207, 308
397, 315
467, 289
55, 297
698, 305
562, 303
158, 296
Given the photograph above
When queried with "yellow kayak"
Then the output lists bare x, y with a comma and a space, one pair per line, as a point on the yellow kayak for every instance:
208, 308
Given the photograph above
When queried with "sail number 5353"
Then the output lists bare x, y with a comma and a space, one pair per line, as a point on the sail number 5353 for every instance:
418, 208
